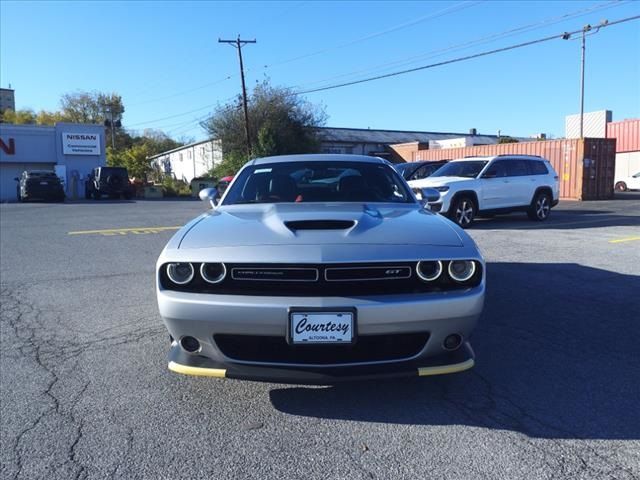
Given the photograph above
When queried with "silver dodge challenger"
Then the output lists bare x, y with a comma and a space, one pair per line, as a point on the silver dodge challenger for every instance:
315, 269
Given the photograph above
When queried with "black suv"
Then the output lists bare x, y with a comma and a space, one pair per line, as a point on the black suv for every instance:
39, 185
111, 181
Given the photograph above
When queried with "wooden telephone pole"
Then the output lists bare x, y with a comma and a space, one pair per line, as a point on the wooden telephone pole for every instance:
239, 43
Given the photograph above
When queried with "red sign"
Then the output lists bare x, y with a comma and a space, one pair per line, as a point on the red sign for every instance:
8, 149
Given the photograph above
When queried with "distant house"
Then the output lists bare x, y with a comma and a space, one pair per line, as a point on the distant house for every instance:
189, 161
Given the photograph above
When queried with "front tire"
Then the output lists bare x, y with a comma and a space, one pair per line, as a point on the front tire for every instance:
540, 207
621, 187
464, 211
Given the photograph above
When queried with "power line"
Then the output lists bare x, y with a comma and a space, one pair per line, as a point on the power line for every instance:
431, 16
478, 41
459, 59
439, 13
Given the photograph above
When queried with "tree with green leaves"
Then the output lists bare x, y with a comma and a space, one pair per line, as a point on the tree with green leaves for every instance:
280, 123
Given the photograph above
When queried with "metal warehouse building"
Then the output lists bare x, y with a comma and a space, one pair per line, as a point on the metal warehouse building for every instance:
71, 149
189, 161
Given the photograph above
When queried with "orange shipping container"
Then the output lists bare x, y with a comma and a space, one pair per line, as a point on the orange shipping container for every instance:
585, 167
627, 134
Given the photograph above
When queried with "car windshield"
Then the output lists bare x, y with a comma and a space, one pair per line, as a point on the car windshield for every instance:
323, 181
113, 171
402, 168
463, 168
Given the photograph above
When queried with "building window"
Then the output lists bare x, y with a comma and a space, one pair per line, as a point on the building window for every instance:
180, 156
189, 154
332, 150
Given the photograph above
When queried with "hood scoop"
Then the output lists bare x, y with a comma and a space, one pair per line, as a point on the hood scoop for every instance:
297, 225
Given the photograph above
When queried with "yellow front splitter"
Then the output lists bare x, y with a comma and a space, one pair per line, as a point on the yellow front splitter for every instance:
222, 373
446, 369
197, 371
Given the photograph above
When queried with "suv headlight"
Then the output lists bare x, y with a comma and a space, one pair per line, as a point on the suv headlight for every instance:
180, 273
442, 189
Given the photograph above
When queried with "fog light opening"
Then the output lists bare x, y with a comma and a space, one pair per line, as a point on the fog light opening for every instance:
452, 342
190, 344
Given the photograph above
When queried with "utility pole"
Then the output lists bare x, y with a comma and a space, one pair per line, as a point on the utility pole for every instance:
567, 36
238, 44
585, 29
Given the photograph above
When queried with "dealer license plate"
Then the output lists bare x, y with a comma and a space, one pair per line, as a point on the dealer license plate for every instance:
321, 327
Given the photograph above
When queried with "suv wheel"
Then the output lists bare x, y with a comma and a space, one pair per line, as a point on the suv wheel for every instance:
540, 207
621, 187
464, 211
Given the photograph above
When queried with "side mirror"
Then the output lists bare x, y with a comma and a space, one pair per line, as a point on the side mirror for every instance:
209, 195
428, 196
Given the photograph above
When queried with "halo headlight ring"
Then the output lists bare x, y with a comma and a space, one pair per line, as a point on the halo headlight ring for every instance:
468, 273
433, 276
177, 277
213, 280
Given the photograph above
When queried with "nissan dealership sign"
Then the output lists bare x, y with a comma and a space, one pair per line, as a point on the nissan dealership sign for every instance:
80, 143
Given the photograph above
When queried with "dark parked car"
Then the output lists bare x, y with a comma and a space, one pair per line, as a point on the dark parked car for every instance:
418, 170
111, 181
39, 185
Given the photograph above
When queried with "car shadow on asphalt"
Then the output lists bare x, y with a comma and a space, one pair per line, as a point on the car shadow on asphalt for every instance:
559, 220
557, 357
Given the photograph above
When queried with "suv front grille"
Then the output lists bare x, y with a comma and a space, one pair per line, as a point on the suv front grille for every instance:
367, 348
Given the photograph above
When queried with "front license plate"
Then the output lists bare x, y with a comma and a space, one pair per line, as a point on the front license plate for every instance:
321, 327
44, 183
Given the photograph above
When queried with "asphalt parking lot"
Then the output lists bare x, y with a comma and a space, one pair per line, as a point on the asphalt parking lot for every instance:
85, 392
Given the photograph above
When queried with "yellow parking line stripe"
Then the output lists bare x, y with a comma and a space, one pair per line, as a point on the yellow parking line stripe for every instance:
628, 239
444, 369
123, 231
197, 371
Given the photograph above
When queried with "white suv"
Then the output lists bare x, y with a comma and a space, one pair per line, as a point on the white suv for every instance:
475, 186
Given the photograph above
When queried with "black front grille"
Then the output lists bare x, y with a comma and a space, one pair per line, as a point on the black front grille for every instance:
367, 348
316, 280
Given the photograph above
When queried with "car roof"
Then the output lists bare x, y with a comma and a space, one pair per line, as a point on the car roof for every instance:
488, 158
318, 157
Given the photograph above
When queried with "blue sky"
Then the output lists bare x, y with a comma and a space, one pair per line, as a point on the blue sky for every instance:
164, 59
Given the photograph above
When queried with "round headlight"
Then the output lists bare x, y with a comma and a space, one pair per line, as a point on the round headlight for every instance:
429, 271
213, 272
462, 270
180, 273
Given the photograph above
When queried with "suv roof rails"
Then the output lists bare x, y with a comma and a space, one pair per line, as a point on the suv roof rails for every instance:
517, 155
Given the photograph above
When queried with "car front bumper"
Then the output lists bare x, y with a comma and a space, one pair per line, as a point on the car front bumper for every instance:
197, 365
203, 315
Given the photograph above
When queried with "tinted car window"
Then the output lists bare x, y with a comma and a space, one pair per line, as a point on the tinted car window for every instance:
537, 167
423, 172
517, 168
295, 182
496, 169
463, 168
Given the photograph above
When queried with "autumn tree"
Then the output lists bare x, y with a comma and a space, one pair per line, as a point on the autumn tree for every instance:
280, 123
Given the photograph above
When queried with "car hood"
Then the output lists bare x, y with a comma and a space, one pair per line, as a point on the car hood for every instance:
293, 224
438, 181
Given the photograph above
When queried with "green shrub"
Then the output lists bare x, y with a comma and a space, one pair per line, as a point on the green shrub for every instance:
175, 188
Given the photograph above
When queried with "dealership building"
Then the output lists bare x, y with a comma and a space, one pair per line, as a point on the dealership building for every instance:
71, 150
